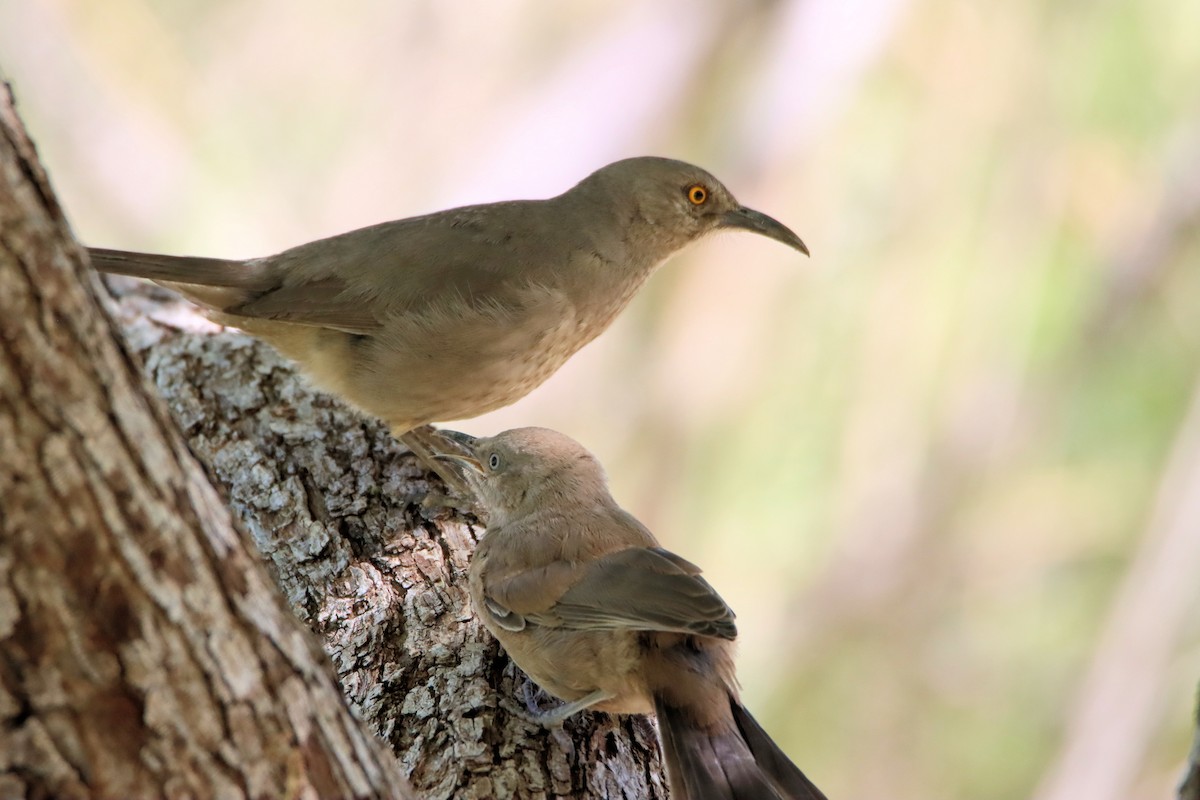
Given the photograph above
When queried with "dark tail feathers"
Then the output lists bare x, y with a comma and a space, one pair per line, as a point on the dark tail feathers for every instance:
740, 763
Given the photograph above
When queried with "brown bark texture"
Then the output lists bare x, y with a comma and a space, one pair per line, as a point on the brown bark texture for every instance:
145, 651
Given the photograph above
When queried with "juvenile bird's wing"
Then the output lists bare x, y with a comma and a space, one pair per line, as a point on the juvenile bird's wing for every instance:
639, 588
527, 594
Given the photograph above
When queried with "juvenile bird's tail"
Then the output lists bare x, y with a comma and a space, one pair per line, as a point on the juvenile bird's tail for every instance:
215, 282
736, 761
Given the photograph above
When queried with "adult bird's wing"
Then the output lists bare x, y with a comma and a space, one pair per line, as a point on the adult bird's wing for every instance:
357, 281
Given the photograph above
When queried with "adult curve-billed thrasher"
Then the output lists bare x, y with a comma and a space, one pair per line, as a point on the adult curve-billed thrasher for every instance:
456, 313
584, 600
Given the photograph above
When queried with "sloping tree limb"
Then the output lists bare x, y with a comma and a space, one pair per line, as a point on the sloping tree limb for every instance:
335, 504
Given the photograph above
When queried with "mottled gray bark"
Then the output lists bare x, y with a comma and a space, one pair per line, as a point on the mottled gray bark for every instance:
144, 649
335, 504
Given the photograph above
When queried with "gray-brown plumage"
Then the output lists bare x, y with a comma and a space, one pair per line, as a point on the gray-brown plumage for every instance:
585, 601
453, 314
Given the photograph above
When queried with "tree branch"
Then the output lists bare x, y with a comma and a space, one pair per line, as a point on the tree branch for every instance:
334, 503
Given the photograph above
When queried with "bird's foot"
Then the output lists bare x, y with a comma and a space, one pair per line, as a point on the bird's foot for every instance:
554, 717
533, 695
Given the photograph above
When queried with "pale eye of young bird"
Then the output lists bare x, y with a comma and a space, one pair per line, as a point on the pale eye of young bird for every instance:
494, 461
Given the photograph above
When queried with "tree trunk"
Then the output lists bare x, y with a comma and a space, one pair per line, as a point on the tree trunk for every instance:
146, 651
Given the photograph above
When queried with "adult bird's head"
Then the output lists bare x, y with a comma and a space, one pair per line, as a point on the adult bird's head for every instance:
668, 204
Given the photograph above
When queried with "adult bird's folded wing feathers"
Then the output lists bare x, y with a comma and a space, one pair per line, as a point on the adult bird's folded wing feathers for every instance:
323, 303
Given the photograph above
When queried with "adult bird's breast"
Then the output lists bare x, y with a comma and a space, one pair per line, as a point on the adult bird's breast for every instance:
457, 366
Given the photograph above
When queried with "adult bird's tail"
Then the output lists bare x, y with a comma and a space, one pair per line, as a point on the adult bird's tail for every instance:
215, 282
734, 760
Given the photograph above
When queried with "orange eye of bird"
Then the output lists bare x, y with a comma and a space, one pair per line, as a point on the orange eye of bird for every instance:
697, 194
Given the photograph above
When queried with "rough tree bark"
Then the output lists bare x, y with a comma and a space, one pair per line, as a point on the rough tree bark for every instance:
97, 515
145, 650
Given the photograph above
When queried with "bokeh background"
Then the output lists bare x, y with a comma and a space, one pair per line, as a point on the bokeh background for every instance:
947, 470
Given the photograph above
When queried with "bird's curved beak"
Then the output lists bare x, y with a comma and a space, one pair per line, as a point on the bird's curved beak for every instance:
748, 219
465, 449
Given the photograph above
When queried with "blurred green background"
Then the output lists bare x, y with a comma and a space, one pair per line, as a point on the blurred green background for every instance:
947, 471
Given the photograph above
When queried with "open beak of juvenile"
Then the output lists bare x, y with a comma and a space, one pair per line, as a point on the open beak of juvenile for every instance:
464, 444
748, 219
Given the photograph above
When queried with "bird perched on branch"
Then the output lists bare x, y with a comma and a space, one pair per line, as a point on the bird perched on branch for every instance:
584, 600
456, 313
